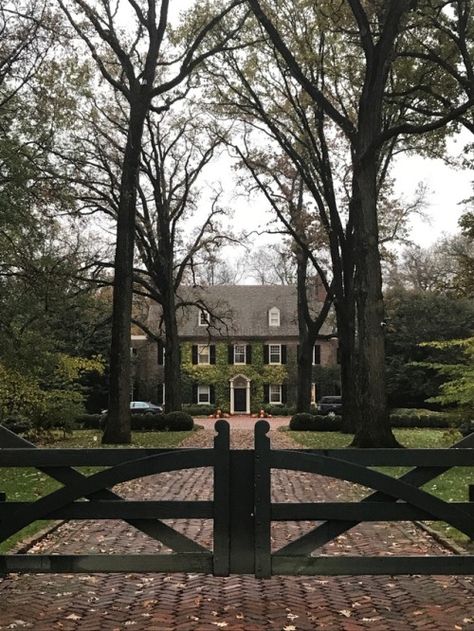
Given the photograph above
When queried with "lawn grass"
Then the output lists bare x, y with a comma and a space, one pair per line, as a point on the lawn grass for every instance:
26, 484
451, 486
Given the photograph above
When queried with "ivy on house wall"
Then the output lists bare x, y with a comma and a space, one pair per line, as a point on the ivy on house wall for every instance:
220, 373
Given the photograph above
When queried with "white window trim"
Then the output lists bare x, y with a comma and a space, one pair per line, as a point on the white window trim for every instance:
201, 347
204, 390
270, 354
274, 385
274, 311
203, 315
245, 355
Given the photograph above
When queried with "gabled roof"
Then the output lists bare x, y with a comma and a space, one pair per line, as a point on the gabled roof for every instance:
240, 311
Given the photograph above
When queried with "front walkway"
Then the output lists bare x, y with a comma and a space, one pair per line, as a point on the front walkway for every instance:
189, 602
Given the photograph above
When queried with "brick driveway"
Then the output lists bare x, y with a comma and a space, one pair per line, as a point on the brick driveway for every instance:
194, 602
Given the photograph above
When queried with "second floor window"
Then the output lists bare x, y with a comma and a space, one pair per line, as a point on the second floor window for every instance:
203, 354
240, 354
275, 354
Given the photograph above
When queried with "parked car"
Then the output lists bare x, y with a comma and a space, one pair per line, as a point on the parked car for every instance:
330, 404
142, 407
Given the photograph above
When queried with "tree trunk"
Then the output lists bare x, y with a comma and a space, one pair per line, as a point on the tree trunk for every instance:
373, 429
173, 392
305, 377
117, 429
345, 330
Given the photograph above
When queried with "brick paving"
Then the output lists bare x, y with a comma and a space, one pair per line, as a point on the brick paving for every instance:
191, 602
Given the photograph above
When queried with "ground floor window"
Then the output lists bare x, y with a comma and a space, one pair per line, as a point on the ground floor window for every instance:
204, 394
275, 393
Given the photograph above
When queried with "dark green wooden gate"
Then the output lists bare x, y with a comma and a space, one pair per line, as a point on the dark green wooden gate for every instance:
241, 508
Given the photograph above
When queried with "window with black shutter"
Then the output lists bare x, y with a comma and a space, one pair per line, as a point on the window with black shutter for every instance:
284, 393
212, 354
283, 354
266, 354
160, 393
266, 393
195, 393
194, 354
249, 354
212, 394
230, 354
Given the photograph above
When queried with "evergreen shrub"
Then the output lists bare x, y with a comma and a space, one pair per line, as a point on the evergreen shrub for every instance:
179, 421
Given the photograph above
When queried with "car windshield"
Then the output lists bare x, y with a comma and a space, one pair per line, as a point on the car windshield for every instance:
331, 399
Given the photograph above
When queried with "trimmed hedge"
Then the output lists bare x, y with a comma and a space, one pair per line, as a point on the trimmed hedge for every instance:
315, 423
193, 409
402, 418
278, 409
174, 422
179, 421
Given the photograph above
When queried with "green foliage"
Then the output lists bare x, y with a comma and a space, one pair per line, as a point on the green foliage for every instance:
199, 410
315, 423
221, 372
179, 421
416, 317
278, 409
458, 385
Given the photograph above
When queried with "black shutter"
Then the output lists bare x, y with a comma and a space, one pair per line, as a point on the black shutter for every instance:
317, 354
160, 393
284, 393
212, 394
297, 353
161, 353
266, 393
194, 354
283, 353
212, 354
248, 354
195, 393
266, 356
230, 354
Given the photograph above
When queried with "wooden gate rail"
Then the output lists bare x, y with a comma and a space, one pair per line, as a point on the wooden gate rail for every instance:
124, 464
393, 499
241, 508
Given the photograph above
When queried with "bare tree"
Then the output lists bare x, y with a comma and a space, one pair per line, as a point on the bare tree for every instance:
143, 68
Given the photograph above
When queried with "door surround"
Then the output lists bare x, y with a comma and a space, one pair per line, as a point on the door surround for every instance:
240, 381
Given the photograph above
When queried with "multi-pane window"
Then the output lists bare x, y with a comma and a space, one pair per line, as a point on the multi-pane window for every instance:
274, 317
275, 353
204, 394
275, 393
240, 354
203, 354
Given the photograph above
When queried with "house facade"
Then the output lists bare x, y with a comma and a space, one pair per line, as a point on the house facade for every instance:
238, 346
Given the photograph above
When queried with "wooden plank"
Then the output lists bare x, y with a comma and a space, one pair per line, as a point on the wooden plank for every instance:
105, 563
120, 509
262, 500
360, 511
221, 545
103, 457
242, 520
357, 566
448, 457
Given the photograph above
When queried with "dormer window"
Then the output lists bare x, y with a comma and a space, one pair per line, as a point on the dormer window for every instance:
274, 317
204, 318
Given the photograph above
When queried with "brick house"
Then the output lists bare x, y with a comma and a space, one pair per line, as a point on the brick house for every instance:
239, 352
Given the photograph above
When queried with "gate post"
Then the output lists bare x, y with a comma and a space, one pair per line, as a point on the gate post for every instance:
221, 546
262, 511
